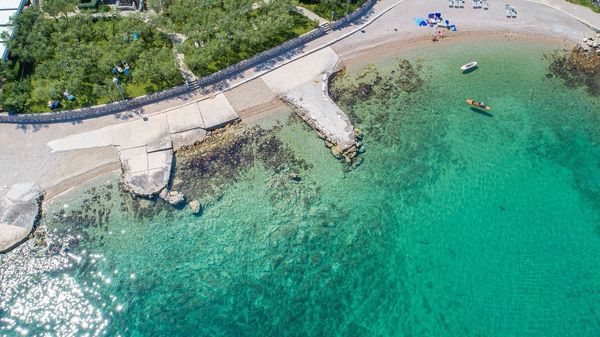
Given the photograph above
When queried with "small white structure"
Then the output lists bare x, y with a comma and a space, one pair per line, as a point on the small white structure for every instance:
8, 8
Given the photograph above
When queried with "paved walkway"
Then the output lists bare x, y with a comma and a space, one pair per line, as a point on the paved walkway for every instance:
311, 15
146, 146
583, 14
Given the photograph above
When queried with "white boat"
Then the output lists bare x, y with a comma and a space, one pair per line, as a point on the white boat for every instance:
468, 66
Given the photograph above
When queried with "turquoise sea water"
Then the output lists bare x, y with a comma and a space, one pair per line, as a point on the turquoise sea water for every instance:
457, 223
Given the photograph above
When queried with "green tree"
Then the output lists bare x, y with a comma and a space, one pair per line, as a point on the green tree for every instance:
54, 8
158, 5
157, 68
15, 96
32, 38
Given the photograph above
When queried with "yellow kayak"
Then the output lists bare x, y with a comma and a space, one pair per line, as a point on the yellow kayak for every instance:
479, 105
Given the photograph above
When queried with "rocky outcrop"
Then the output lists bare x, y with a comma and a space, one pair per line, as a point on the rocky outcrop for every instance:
579, 67
590, 45
173, 197
20, 211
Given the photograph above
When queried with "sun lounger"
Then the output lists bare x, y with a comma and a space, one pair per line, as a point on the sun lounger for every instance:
485, 5
450, 3
511, 11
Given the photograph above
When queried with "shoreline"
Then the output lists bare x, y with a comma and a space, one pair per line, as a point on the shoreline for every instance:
380, 51
71, 183
361, 57
254, 115
387, 33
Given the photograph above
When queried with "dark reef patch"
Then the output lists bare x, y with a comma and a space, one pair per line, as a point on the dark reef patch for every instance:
577, 68
204, 170
386, 106
368, 96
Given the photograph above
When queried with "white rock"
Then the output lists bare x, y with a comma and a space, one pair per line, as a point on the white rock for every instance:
194, 206
175, 198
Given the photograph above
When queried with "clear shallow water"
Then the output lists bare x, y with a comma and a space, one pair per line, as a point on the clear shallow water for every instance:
456, 224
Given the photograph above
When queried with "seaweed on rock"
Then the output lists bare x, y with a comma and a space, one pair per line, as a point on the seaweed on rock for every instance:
368, 96
370, 83
219, 161
386, 106
577, 68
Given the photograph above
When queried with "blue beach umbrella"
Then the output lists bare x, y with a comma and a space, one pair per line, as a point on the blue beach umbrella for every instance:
420, 22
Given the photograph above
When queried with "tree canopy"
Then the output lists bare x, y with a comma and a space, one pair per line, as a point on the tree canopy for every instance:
221, 33
54, 8
331, 9
77, 54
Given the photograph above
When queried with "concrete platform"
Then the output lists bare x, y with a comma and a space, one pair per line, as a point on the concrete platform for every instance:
146, 145
216, 112
185, 118
303, 85
312, 102
146, 173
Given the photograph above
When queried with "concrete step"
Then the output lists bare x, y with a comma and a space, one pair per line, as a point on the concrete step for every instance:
326, 26
193, 85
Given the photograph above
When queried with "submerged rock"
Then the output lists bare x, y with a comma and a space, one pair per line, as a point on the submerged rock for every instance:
221, 159
20, 211
195, 206
336, 151
358, 133
294, 176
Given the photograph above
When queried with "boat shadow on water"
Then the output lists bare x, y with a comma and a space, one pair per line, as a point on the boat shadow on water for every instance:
481, 112
470, 70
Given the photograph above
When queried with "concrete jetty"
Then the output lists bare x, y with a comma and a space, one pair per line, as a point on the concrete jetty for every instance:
303, 84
